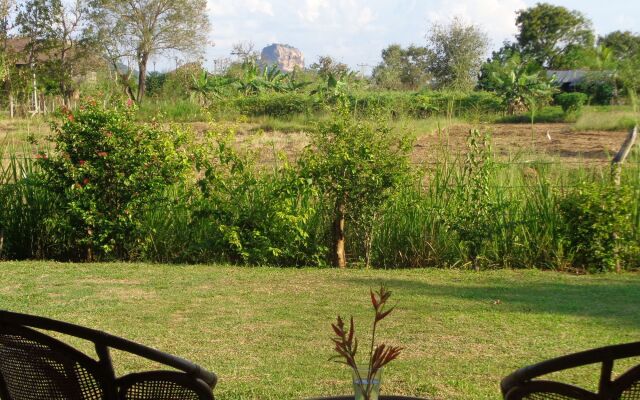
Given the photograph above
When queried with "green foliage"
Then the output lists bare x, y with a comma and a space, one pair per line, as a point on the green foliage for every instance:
571, 102
599, 86
551, 34
520, 85
356, 165
281, 105
107, 170
472, 220
456, 52
599, 227
250, 216
623, 45
326, 66
402, 68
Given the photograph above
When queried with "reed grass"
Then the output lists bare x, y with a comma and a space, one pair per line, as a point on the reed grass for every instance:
414, 230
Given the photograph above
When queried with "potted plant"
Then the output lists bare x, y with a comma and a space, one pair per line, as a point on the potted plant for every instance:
366, 376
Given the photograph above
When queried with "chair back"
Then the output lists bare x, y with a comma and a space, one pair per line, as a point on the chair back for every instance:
528, 383
34, 366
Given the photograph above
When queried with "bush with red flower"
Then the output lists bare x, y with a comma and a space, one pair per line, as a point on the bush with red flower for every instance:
105, 171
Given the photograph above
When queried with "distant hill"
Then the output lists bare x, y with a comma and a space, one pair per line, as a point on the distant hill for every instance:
286, 57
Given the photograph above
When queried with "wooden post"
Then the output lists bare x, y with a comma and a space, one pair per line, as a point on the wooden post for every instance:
616, 163
616, 176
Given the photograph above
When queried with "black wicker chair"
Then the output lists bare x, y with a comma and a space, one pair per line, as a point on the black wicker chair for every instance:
524, 383
35, 366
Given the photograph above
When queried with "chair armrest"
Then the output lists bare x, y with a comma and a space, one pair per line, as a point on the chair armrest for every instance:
162, 385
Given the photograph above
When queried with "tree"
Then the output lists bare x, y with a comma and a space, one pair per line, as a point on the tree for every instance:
55, 45
402, 68
326, 66
357, 165
623, 45
245, 52
137, 30
5, 27
553, 34
520, 84
456, 55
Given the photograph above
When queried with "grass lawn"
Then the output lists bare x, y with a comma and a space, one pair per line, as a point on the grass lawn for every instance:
265, 331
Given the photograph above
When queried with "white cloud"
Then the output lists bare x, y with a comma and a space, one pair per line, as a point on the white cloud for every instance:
496, 17
221, 8
311, 10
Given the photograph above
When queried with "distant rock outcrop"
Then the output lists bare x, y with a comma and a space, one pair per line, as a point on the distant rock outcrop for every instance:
286, 57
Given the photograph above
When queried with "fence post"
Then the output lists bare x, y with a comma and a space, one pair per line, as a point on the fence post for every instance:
616, 176
616, 163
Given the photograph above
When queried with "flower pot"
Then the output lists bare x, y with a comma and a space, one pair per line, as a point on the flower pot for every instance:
363, 384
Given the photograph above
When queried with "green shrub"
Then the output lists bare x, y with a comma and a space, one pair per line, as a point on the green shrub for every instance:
281, 105
600, 87
571, 102
106, 171
251, 216
357, 165
599, 229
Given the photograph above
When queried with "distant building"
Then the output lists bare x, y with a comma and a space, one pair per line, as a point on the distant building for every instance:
567, 80
19, 47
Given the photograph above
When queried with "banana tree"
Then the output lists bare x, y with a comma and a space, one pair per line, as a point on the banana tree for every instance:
520, 87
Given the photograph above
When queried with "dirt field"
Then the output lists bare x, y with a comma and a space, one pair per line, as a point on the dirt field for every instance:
510, 141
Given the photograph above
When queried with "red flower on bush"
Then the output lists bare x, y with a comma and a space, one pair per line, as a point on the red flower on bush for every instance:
81, 162
85, 181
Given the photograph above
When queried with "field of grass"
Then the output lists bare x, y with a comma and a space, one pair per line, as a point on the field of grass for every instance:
266, 331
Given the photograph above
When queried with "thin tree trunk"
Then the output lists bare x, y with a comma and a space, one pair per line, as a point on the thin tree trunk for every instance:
142, 75
339, 256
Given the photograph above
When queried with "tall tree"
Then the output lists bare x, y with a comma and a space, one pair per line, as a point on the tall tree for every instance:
6, 7
55, 46
402, 68
139, 29
622, 44
553, 34
327, 65
457, 50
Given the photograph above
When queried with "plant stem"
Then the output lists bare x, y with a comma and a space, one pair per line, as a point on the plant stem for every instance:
370, 371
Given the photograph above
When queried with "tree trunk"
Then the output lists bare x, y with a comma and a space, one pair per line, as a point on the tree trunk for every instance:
339, 257
142, 75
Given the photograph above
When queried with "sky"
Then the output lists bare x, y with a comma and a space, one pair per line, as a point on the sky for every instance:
356, 31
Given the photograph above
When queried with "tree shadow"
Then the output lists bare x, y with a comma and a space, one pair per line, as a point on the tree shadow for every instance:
610, 300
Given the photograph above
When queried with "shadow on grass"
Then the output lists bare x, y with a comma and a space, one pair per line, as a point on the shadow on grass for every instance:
613, 301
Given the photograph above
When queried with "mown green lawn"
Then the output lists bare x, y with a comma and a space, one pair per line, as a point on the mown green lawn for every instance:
265, 331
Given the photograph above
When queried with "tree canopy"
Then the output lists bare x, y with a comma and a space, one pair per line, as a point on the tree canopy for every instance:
402, 68
137, 30
457, 50
553, 35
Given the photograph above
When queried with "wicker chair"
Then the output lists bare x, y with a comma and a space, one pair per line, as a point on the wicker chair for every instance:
524, 383
34, 366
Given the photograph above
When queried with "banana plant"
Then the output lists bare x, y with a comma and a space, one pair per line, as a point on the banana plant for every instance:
207, 86
519, 87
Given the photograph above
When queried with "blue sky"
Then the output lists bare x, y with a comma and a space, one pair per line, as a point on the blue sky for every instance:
355, 31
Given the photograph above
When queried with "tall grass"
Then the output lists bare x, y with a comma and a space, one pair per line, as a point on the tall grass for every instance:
255, 220
25, 205
526, 231
607, 119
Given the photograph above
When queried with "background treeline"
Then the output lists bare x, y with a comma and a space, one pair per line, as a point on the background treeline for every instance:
52, 52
